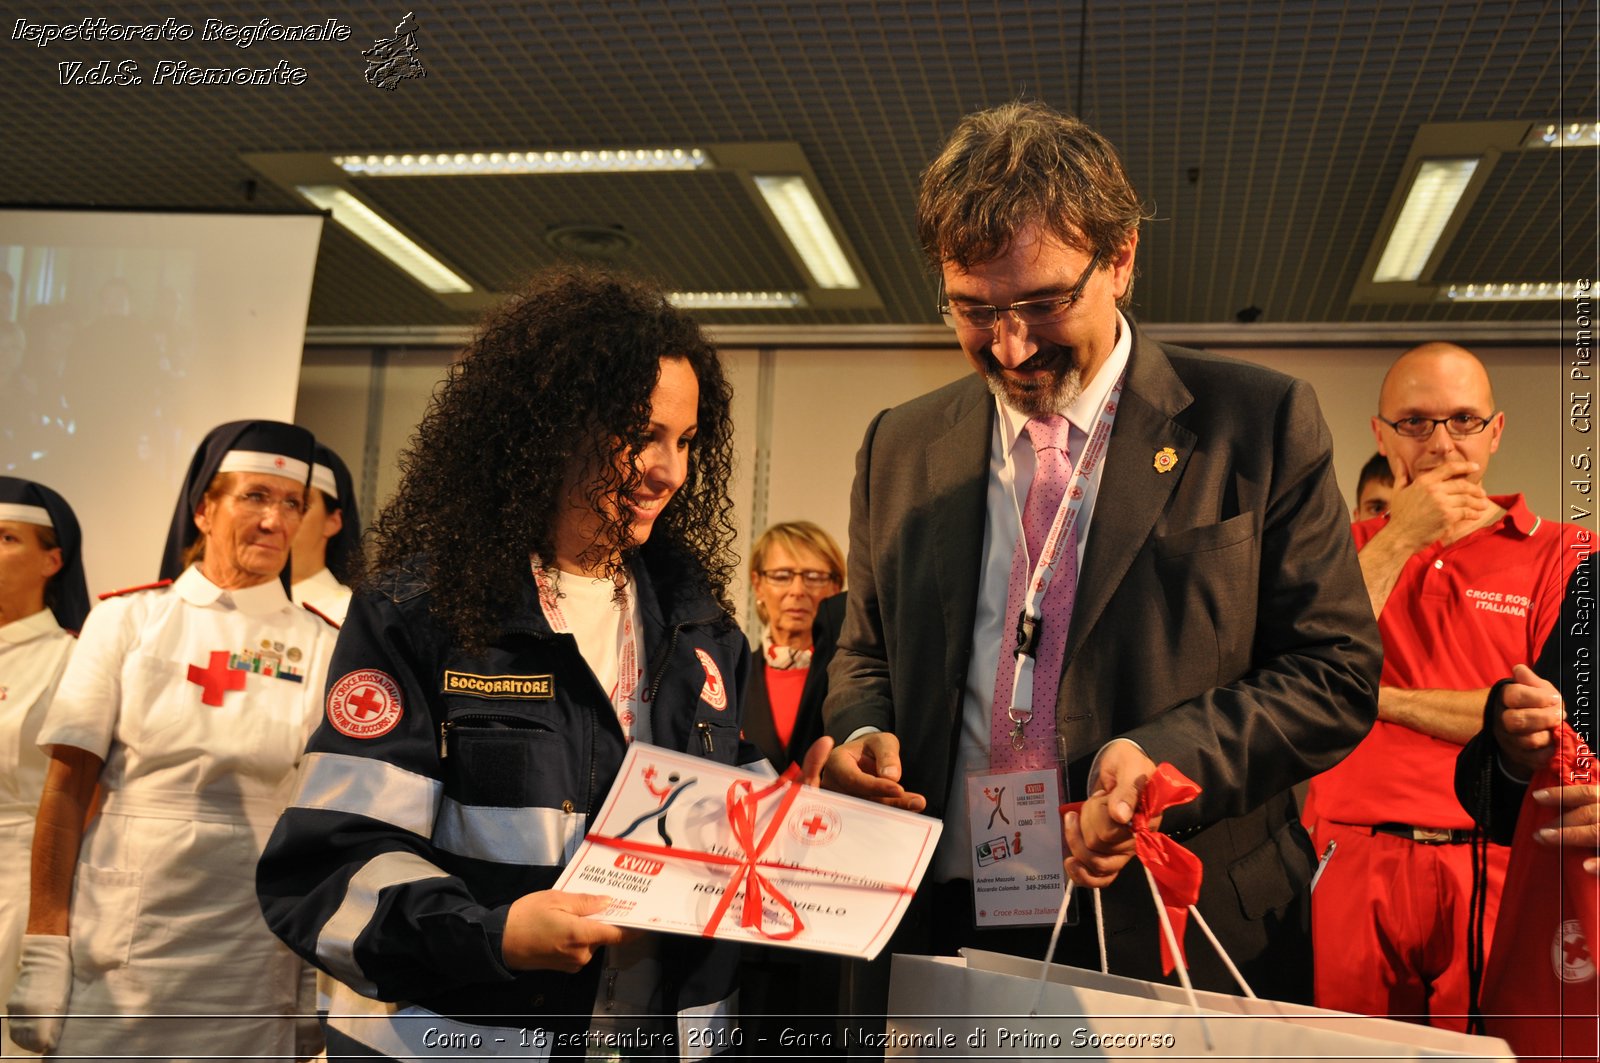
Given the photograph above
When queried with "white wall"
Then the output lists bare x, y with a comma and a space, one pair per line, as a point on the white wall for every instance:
821, 401
1528, 386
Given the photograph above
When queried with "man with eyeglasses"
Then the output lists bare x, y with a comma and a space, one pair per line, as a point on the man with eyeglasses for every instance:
1465, 586
1186, 590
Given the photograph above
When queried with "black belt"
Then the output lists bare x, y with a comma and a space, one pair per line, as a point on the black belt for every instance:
1425, 835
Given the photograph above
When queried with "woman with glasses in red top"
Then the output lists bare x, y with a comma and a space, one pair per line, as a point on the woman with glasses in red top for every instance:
797, 571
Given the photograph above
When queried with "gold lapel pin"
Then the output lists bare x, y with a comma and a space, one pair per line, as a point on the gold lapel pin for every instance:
1166, 459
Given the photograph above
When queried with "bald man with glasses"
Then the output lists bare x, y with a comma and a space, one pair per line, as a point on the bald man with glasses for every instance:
1465, 585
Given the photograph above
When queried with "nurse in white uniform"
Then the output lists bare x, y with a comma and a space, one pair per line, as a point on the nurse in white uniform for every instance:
327, 549
43, 600
189, 703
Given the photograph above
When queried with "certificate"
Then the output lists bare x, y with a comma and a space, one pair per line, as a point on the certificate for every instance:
689, 846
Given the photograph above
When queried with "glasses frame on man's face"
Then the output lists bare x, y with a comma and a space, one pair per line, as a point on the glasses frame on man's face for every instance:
1031, 312
1470, 425
810, 578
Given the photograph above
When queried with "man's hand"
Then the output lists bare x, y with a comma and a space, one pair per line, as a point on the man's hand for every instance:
1100, 838
869, 768
1442, 503
1578, 826
1524, 720
550, 930
816, 762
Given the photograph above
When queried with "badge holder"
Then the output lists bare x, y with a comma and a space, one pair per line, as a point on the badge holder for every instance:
1016, 848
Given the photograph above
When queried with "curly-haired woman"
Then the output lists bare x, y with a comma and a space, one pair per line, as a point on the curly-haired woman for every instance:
551, 585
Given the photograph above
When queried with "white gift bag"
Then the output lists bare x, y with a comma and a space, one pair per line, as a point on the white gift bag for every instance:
990, 1005
979, 1006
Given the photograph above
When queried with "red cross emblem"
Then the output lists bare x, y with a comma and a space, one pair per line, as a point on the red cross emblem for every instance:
278, 463
364, 704
814, 824
216, 678
1570, 955
714, 693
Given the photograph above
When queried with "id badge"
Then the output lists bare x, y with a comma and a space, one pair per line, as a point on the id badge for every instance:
1017, 879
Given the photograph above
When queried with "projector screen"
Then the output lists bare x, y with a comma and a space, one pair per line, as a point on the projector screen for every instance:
125, 337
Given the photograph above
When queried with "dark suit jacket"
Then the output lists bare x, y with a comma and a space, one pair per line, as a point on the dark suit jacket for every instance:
1221, 622
757, 719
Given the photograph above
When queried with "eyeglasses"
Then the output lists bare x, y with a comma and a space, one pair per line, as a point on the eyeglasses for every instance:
1031, 312
1459, 425
814, 580
258, 502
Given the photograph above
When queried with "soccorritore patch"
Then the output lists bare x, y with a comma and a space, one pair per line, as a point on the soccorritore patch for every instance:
517, 687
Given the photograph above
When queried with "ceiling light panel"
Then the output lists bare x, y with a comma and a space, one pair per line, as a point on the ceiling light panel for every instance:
792, 203
736, 300
1571, 135
466, 164
1514, 292
378, 234
1435, 191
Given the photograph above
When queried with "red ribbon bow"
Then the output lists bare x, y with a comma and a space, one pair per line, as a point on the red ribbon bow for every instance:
743, 802
1176, 870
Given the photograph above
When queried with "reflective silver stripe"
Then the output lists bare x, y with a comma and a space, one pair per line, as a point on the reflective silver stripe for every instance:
713, 1024
406, 1032
528, 836
366, 787
336, 945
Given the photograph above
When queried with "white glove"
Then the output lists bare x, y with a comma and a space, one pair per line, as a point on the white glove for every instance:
38, 1005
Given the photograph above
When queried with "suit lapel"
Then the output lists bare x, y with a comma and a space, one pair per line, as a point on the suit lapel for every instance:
1132, 492
957, 479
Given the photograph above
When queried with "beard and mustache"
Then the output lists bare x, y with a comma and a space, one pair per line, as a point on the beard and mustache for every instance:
1052, 392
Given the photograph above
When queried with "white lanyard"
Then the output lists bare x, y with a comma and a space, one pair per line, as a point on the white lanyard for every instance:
1051, 557
623, 694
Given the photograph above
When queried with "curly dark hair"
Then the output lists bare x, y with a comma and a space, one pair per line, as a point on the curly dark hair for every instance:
559, 378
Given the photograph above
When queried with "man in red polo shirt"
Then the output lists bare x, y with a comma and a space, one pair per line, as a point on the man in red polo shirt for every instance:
1465, 585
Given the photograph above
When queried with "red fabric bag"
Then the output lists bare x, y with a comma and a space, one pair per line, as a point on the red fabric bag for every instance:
1540, 990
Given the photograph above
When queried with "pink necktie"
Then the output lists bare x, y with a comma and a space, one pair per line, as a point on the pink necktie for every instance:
1051, 476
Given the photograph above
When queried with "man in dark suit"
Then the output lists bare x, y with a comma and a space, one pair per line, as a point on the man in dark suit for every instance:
1218, 619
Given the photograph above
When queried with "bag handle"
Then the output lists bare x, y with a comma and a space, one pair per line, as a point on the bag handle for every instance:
1042, 985
1172, 788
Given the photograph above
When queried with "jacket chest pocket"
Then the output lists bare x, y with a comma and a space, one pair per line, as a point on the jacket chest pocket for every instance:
497, 757
716, 739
